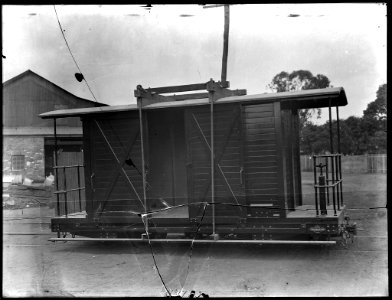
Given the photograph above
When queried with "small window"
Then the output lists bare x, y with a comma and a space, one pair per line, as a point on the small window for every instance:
17, 162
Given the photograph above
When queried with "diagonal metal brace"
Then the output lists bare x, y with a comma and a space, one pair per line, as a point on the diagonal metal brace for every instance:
219, 167
119, 163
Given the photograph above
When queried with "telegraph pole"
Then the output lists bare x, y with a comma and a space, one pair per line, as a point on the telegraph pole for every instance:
225, 43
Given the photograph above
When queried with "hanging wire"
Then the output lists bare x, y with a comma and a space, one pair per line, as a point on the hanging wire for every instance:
62, 32
191, 248
144, 220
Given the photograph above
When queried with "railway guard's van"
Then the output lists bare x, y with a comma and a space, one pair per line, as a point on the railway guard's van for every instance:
218, 166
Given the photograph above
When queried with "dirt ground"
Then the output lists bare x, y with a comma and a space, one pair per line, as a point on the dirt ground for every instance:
33, 266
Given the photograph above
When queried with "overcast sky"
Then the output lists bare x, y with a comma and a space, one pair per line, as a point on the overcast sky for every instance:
119, 47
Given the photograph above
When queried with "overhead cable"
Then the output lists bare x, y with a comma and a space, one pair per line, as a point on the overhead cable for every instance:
62, 32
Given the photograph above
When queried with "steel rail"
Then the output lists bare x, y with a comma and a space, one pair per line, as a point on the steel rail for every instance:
212, 241
287, 242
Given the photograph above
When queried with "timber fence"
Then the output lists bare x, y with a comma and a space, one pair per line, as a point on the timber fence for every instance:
370, 163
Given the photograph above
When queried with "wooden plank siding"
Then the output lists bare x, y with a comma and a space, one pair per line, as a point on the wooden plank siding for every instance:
255, 146
228, 160
262, 164
290, 134
109, 188
167, 158
296, 157
287, 148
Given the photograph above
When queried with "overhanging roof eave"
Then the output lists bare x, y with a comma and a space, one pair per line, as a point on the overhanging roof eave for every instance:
300, 99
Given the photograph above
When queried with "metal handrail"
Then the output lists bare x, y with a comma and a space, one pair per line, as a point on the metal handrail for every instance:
64, 191
329, 185
72, 166
328, 155
335, 183
71, 190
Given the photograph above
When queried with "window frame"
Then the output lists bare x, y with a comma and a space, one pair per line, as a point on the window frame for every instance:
17, 165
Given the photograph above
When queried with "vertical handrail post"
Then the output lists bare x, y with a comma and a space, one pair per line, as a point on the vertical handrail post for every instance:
80, 194
330, 127
340, 157
332, 151
335, 158
55, 165
139, 102
65, 193
327, 177
315, 184
210, 88
341, 182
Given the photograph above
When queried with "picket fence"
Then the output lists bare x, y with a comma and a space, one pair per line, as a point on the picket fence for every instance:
370, 163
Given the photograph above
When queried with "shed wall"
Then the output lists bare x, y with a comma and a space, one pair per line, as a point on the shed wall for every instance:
32, 148
29, 96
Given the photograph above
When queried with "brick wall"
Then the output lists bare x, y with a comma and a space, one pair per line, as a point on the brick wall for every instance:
32, 147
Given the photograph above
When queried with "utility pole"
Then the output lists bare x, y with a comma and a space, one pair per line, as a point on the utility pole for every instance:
225, 44
225, 39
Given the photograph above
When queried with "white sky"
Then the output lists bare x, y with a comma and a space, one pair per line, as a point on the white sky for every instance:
119, 47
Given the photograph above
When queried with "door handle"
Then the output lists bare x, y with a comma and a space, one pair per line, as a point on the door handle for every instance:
241, 175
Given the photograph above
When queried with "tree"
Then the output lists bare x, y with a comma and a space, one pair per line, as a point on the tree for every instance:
377, 109
358, 135
314, 139
296, 81
375, 121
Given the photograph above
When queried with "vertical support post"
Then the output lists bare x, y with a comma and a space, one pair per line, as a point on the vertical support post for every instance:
338, 127
211, 96
335, 158
327, 177
330, 127
139, 102
340, 157
332, 160
80, 194
315, 183
210, 88
340, 177
65, 192
55, 167
323, 206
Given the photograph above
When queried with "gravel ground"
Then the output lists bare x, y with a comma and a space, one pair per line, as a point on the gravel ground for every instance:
33, 266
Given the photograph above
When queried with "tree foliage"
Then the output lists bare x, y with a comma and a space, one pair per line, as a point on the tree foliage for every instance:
377, 109
296, 81
358, 135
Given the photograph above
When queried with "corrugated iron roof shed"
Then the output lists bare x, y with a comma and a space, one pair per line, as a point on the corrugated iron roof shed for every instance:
299, 99
31, 73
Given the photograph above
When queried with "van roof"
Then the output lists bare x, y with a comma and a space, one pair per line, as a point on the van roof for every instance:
315, 98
